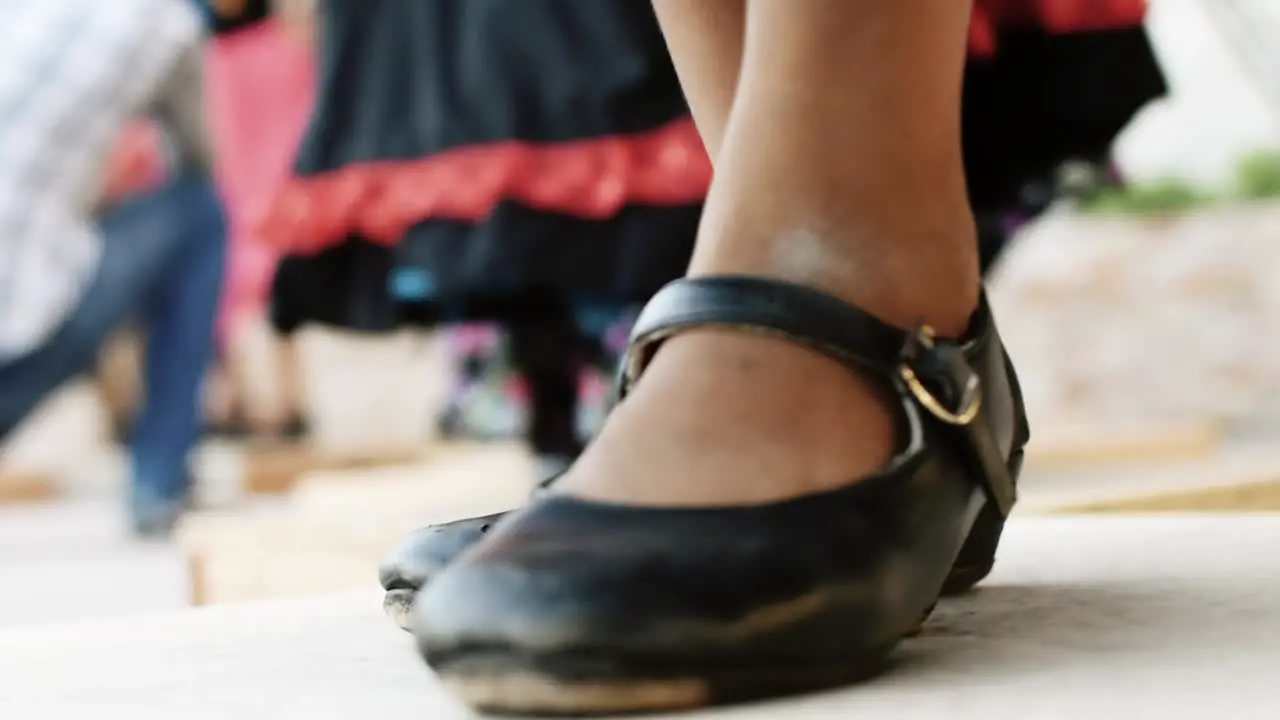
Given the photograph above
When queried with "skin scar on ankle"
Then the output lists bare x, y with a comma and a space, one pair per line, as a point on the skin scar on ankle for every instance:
806, 256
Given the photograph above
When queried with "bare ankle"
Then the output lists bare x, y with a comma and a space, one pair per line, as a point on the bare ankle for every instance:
904, 276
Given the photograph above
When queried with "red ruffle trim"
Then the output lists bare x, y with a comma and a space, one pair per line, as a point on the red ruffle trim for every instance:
1055, 16
593, 178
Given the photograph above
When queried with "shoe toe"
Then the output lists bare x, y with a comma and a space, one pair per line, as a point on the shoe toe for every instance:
513, 606
567, 577
398, 605
427, 551
411, 562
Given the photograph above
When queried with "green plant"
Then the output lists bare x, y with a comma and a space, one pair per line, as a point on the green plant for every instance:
1166, 196
1258, 176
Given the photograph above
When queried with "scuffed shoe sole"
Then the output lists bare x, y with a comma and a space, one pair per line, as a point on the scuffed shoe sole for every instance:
510, 683
397, 604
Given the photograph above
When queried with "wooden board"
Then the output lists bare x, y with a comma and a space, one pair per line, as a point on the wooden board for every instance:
1083, 618
275, 468
228, 580
1070, 446
1255, 497
239, 559
26, 487
198, 576
332, 531
455, 480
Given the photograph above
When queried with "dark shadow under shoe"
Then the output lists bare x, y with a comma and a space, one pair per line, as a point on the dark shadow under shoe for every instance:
576, 607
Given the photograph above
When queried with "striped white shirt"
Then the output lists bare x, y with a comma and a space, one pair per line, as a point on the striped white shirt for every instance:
72, 74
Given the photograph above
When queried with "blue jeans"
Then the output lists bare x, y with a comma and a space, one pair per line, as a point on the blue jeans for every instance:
162, 265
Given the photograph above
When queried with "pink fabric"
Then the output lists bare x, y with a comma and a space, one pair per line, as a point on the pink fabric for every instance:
261, 87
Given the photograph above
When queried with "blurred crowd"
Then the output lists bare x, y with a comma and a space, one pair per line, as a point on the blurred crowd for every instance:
182, 173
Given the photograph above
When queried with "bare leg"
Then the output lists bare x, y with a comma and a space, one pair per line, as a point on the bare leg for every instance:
838, 166
705, 38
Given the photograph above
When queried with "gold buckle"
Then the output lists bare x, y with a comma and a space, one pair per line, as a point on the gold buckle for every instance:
971, 404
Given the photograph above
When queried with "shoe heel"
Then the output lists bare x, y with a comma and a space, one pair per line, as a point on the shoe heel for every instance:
978, 556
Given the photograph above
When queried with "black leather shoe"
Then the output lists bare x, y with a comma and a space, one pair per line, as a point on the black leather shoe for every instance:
575, 607
423, 555
426, 552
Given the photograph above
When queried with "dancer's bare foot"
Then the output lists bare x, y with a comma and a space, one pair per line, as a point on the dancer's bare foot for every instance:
723, 418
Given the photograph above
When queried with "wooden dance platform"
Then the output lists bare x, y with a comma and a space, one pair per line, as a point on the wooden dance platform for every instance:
1094, 616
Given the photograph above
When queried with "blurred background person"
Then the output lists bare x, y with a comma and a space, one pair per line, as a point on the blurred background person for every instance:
563, 186
73, 75
261, 87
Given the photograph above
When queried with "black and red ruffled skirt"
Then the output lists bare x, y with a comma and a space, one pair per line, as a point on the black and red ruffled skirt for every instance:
466, 153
